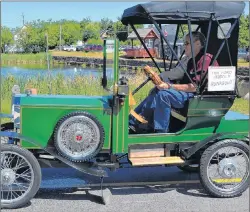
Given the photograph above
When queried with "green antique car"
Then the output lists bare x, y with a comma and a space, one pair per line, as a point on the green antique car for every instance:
91, 133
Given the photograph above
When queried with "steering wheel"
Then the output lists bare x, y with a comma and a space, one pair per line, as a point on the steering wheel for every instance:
154, 77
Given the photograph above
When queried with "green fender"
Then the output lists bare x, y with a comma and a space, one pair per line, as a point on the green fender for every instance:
215, 137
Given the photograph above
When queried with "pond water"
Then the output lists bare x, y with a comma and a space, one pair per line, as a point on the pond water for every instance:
42, 71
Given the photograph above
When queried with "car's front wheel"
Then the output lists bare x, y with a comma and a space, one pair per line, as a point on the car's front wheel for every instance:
20, 176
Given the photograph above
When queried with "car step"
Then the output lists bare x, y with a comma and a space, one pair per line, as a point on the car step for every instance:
156, 161
144, 153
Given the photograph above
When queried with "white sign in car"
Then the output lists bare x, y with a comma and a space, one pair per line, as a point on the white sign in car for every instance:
221, 78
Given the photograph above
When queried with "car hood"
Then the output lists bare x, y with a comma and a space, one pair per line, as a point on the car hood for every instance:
63, 100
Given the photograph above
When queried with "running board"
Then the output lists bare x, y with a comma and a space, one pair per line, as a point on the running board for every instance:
155, 161
88, 168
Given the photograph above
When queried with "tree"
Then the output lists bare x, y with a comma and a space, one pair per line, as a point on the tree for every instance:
86, 36
53, 31
84, 23
91, 31
71, 32
30, 38
183, 30
106, 23
6, 38
244, 31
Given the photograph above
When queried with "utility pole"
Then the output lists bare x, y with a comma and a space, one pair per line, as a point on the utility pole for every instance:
48, 61
60, 37
23, 18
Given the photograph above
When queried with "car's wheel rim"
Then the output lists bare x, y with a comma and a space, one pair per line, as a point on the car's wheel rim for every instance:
17, 177
78, 137
228, 169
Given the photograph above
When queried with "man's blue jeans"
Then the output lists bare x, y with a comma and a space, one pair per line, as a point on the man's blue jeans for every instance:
157, 106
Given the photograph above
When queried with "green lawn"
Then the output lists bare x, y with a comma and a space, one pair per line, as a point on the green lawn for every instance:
241, 105
28, 57
243, 63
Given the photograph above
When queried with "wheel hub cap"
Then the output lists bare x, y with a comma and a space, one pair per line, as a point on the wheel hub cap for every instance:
227, 168
8, 177
78, 137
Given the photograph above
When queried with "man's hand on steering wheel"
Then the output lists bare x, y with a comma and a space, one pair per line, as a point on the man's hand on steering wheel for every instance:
156, 78
163, 86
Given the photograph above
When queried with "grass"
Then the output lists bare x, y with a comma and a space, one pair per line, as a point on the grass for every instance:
83, 86
5, 104
81, 54
243, 63
59, 85
28, 57
241, 105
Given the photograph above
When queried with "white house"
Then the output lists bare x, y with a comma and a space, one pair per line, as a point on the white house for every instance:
16, 47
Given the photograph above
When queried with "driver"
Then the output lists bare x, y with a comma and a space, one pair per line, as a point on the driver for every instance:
156, 107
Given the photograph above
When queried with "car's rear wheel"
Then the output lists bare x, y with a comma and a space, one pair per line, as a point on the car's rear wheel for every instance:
224, 168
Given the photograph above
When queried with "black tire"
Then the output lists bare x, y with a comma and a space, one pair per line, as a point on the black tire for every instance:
37, 175
100, 143
189, 168
205, 160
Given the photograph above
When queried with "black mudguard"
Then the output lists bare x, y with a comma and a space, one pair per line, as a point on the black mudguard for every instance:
87, 168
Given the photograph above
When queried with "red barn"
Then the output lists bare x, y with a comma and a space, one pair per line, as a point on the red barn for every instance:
148, 36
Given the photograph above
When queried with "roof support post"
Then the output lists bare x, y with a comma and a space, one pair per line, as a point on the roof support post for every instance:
133, 27
220, 49
192, 51
228, 49
162, 49
181, 64
183, 34
206, 45
175, 39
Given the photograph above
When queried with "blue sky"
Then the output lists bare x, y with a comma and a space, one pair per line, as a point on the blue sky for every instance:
11, 14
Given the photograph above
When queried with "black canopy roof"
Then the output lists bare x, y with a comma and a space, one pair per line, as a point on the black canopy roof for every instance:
166, 12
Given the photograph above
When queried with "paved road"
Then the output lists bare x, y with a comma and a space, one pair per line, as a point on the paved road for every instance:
56, 196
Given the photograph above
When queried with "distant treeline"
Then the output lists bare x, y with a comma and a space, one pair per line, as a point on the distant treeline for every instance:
70, 31
33, 33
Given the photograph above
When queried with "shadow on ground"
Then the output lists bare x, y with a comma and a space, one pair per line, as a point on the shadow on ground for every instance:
96, 196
